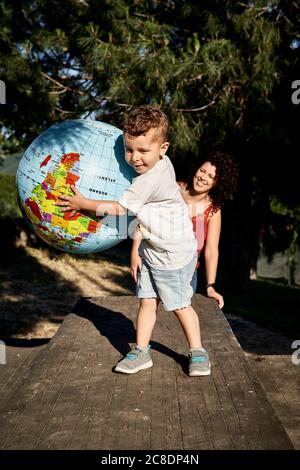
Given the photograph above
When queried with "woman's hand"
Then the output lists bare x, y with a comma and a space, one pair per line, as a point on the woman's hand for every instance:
215, 295
135, 264
72, 203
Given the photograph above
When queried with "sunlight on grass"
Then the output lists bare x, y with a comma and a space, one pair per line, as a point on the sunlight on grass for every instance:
40, 286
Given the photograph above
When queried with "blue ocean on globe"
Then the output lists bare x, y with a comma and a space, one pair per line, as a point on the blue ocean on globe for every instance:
85, 153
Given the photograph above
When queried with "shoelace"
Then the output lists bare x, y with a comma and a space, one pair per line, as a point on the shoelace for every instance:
132, 355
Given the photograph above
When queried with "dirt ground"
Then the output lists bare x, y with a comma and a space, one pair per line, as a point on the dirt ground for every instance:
39, 286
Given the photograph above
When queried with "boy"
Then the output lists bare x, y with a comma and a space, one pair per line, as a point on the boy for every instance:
168, 245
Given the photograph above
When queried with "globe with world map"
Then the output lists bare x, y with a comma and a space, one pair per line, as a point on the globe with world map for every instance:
84, 153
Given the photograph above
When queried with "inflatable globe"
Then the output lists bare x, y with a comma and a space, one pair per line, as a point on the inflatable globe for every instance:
89, 155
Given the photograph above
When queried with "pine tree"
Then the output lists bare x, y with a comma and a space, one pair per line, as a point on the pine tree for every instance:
221, 70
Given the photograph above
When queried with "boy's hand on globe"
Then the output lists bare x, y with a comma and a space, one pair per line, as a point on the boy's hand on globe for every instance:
71, 203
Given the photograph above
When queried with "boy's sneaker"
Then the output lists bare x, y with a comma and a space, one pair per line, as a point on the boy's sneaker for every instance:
134, 361
199, 363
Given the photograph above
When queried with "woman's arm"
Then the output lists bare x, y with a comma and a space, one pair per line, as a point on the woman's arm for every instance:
211, 255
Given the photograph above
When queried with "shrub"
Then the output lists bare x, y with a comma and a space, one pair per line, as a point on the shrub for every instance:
8, 197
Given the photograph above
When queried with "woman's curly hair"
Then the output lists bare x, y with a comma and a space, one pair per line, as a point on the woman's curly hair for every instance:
226, 177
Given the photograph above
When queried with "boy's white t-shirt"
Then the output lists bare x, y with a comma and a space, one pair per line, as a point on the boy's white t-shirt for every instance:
155, 198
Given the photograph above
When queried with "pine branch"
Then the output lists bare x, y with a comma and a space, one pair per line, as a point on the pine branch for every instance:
196, 110
198, 77
62, 111
64, 87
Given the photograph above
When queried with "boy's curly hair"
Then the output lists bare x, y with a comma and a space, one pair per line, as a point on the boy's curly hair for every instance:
142, 119
226, 177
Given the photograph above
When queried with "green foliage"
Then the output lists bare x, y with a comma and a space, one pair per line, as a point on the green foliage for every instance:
292, 220
202, 61
8, 144
222, 70
8, 197
279, 207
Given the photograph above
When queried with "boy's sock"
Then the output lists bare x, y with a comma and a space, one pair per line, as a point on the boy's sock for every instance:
144, 349
197, 349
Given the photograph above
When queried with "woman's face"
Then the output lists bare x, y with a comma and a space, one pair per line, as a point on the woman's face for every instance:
204, 178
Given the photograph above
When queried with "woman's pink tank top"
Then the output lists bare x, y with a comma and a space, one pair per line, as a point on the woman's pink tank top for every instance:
200, 222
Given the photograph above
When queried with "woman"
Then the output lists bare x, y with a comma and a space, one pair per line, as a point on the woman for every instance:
205, 192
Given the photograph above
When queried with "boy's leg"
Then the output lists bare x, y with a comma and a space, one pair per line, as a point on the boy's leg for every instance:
191, 326
139, 358
199, 363
174, 289
146, 320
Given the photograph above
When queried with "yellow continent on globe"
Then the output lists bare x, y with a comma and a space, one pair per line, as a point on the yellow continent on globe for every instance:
41, 207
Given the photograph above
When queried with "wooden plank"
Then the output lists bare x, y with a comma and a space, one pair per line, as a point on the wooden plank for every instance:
252, 404
25, 411
20, 355
203, 426
73, 400
281, 385
166, 431
269, 356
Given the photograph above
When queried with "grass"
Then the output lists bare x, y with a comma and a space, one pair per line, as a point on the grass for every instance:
272, 305
269, 303
40, 285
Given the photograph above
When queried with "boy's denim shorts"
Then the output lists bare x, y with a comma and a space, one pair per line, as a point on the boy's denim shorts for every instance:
173, 287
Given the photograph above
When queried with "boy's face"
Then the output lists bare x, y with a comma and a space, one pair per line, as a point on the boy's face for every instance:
144, 151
